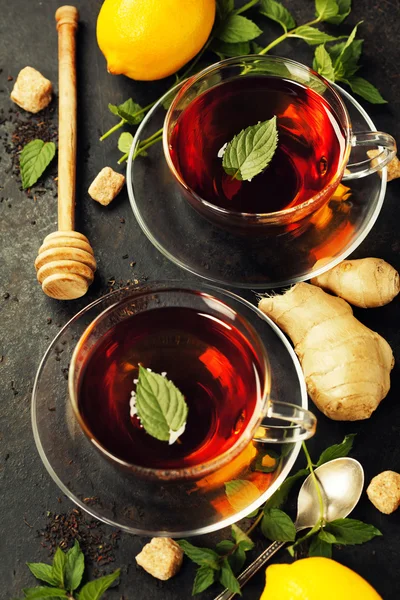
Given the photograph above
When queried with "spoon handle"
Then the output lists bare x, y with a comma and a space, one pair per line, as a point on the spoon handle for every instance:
252, 569
67, 23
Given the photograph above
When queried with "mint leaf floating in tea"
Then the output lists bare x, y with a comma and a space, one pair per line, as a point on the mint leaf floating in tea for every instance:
251, 151
35, 158
160, 406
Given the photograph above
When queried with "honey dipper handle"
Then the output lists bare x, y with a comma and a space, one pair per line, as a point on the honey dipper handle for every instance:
67, 23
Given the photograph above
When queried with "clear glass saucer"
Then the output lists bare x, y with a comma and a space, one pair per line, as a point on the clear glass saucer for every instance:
255, 262
142, 506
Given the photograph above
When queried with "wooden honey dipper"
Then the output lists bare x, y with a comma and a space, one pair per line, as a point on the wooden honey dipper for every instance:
65, 264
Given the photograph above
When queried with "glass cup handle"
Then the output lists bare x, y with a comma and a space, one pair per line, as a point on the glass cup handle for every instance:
371, 139
302, 426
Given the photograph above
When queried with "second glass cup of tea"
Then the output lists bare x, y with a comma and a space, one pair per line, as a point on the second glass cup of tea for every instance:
213, 345
315, 142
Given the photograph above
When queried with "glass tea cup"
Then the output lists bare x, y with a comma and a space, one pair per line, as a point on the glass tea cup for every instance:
158, 320
206, 126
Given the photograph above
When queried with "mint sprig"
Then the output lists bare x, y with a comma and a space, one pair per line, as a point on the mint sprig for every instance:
161, 406
34, 160
64, 577
229, 556
251, 151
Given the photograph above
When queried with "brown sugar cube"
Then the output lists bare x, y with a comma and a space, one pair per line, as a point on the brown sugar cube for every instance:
384, 491
106, 186
162, 558
31, 91
393, 168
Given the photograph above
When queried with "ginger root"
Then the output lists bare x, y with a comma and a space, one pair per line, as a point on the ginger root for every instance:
367, 282
346, 365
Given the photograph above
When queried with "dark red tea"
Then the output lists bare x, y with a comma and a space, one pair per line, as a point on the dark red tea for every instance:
311, 143
211, 362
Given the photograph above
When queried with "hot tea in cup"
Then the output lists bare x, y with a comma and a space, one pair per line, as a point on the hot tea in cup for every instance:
314, 141
210, 352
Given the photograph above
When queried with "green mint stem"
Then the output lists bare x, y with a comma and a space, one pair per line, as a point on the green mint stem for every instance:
144, 144
110, 131
282, 38
122, 121
245, 7
317, 486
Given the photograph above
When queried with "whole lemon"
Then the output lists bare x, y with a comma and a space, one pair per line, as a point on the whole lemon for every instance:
316, 578
151, 39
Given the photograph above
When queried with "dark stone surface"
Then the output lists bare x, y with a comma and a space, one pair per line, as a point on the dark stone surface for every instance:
28, 36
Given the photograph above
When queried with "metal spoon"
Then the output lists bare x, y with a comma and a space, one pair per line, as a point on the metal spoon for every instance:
341, 482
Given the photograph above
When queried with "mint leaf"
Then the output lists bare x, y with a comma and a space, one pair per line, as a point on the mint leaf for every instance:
242, 539
319, 547
277, 12
344, 11
205, 576
127, 111
346, 59
251, 151
161, 407
44, 592
230, 50
225, 546
241, 493
351, 531
366, 90
277, 525
204, 557
228, 579
43, 572
95, 589
34, 159
125, 142
74, 568
323, 63
59, 566
238, 29
237, 559
279, 497
337, 450
326, 9
312, 35
224, 7
327, 537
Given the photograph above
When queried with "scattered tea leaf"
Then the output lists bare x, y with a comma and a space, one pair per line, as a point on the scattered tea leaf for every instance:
337, 450
35, 158
74, 568
277, 12
366, 90
228, 579
238, 29
205, 576
201, 556
43, 572
251, 151
277, 525
323, 63
241, 493
319, 547
351, 531
161, 406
